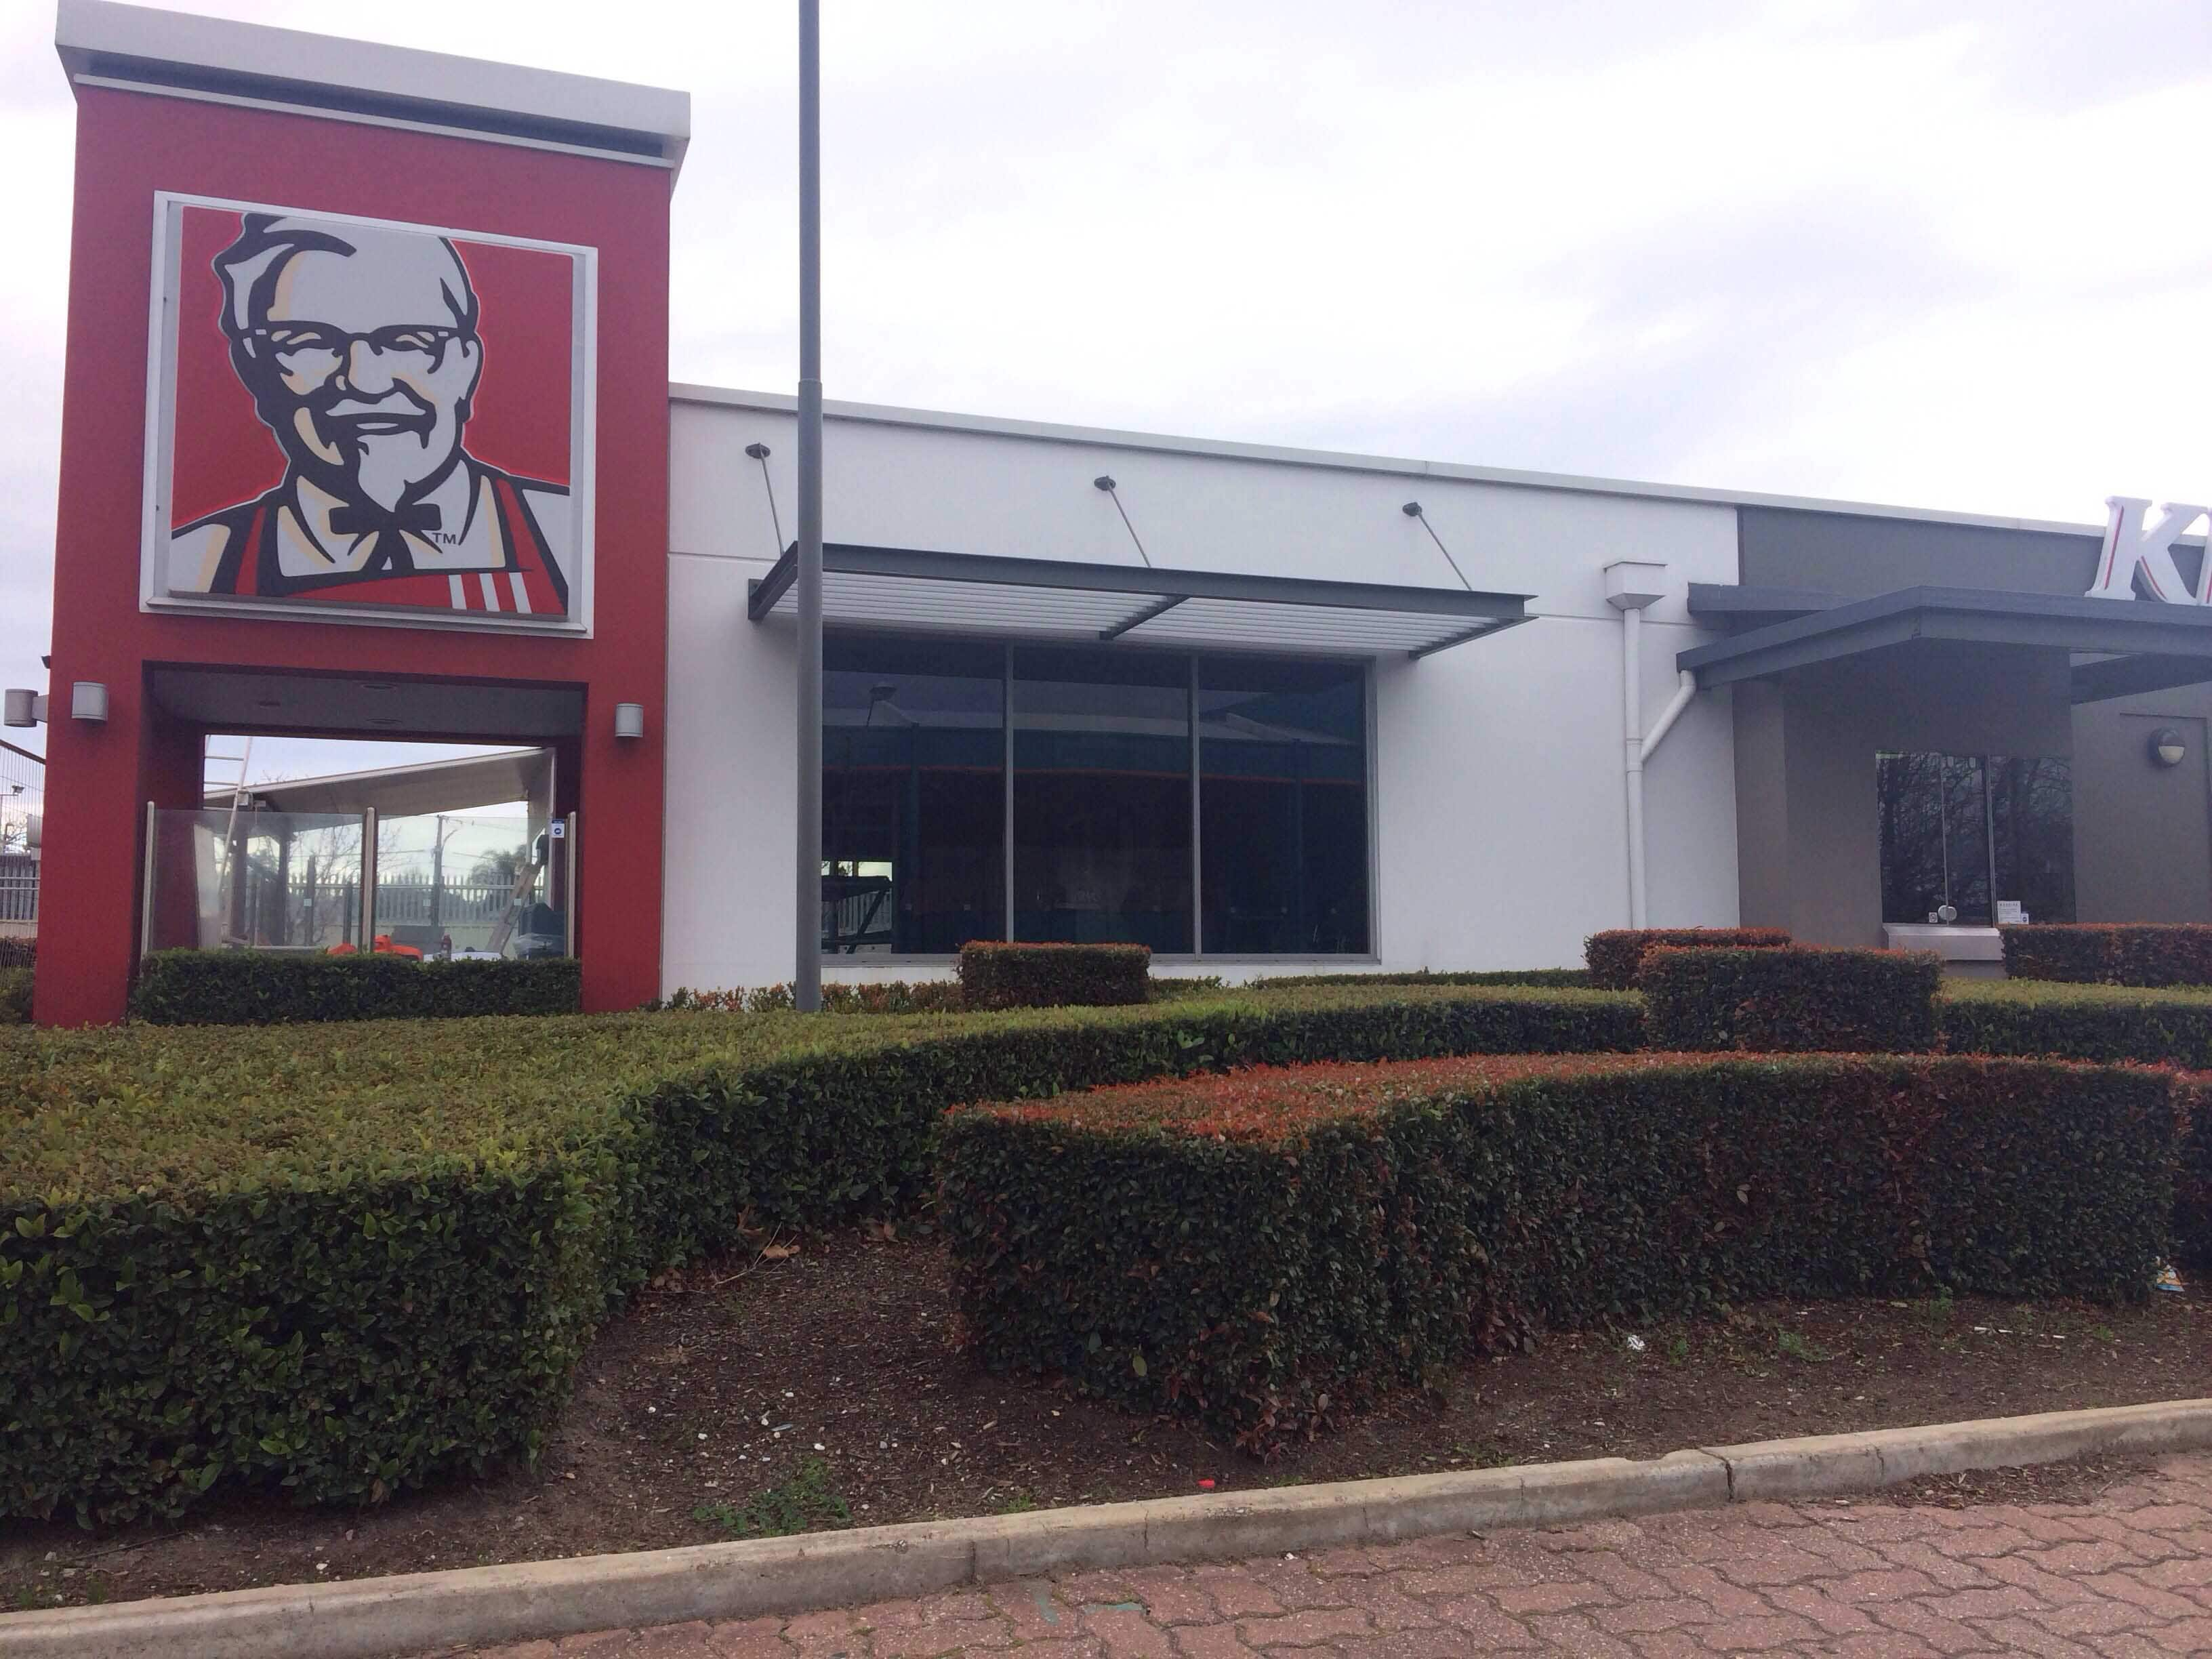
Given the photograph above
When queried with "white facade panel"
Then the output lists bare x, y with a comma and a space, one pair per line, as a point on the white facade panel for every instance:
1499, 803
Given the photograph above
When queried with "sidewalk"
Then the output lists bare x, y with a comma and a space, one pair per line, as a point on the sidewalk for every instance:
2128, 1576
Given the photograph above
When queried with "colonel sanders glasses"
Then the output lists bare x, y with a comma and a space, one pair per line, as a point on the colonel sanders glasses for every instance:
315, 351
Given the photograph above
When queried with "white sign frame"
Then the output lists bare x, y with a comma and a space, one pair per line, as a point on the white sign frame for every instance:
162, 323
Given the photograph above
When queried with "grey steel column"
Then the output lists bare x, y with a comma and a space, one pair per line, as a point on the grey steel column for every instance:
367, 943
567, 885
146, 917
806, 978
1197, 850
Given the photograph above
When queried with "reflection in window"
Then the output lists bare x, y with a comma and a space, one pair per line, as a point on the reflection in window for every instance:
1101, 797
1967, 829
913, 795
1111, 825
1282, 806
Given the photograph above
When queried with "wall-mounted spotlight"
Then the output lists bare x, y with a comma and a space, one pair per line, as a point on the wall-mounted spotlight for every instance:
87, 701
2166, 747
629, 720
1412, 509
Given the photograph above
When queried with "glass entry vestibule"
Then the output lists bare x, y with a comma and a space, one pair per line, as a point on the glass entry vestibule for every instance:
1192, 803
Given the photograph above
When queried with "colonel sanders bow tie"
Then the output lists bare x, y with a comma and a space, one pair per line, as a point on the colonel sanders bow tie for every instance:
390, 553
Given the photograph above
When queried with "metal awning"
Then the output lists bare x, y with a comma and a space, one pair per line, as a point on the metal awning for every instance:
2120, 648
1063, 600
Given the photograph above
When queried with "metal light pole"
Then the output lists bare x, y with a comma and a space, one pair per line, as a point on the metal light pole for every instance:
806, 979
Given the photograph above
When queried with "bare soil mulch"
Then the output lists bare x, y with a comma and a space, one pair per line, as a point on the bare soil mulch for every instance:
772, 1390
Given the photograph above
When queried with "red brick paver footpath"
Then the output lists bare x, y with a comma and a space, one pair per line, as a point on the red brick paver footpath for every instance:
2126, 1577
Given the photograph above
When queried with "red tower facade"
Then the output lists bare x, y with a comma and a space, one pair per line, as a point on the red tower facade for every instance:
325, 594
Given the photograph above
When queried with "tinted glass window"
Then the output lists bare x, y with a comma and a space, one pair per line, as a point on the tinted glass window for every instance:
2032, 813
913, 796
1101, 797
917, 775
1974, 831
1282, 806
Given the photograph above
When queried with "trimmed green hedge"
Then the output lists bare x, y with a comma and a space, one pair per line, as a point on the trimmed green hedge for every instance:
2110, 1022
1770, 1000
348, 1266
261, 987
1262, 1252
15, 987
2141, 954
1615, 955
1556, 979
994, 974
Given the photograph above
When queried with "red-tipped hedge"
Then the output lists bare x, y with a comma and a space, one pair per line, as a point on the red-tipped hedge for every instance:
1791, 1000
999, 976
2144, 954
1614, 956
1265, 1250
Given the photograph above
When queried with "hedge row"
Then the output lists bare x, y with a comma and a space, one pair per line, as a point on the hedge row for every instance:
1263, 1252
260, 987
2143, 954
895, 996
15, 987
1556, 979
994, 974
347, 1267
1614, 956
1770, 1000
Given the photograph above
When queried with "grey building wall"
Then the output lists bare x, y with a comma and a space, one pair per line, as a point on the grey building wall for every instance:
1860, 556
2142, 833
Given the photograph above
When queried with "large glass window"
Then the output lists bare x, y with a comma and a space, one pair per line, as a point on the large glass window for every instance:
1101, 797
913, 795
1282, 806
1145, 796
1979, 833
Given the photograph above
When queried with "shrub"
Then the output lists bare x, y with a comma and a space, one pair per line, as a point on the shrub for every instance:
838, 997
1614, 956
347, 1262
1556, 979
1264, 1250
2136, 953
19, 953
260, 987
999, 975
14, 996
1774, 1000
2171, 1027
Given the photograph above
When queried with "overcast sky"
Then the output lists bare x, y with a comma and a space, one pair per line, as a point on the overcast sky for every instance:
1951, 254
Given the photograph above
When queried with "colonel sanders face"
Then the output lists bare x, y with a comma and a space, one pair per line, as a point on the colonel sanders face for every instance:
360, 348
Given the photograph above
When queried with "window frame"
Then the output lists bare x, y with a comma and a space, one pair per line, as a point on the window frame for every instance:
843, 965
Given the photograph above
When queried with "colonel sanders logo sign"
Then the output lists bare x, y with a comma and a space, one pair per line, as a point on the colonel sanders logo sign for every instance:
352, 417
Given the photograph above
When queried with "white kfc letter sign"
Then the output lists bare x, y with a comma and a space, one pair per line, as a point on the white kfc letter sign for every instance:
2133, 544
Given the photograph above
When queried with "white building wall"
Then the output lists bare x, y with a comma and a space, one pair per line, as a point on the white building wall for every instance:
1500, 810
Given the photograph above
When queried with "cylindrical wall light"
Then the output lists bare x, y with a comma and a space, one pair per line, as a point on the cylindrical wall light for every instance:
629, 720
2166, 747
87, 701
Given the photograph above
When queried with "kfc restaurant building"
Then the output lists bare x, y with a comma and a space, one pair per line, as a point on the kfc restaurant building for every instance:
368, 432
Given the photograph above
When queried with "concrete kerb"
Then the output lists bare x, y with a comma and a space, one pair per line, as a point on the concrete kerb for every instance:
377, 1618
